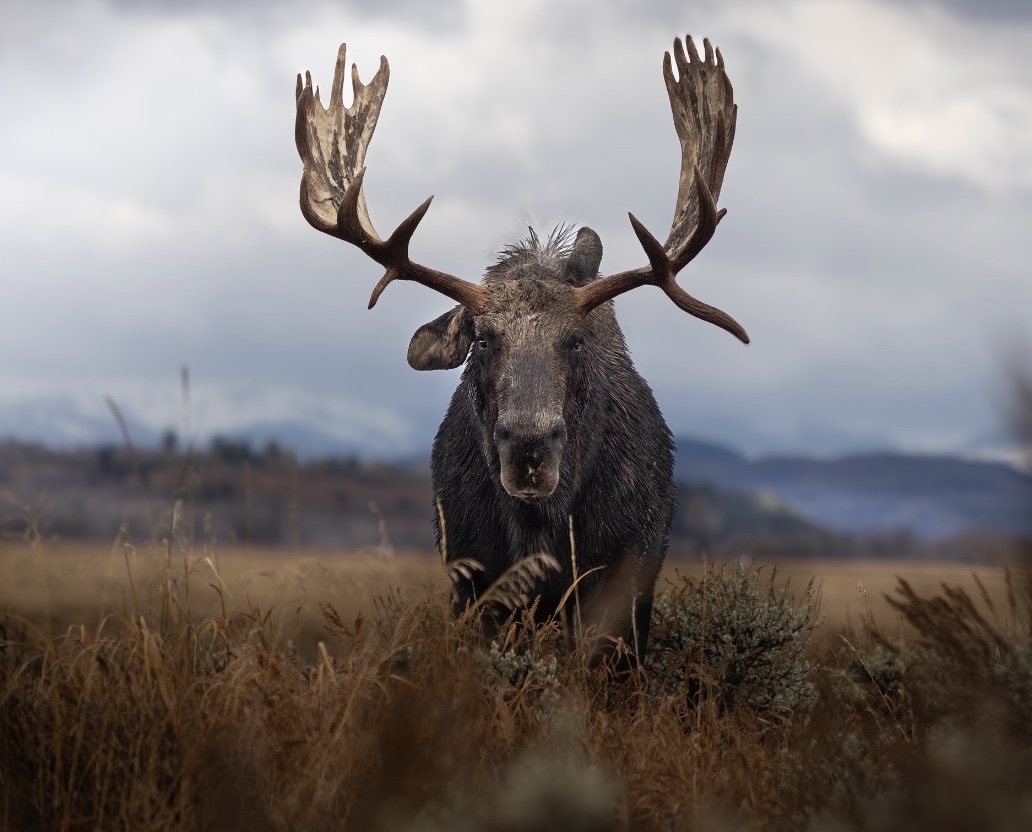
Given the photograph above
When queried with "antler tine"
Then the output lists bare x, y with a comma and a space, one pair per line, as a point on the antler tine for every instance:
332, 142
704, 112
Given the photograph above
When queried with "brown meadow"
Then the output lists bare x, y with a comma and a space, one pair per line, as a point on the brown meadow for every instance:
217, 693
60, 584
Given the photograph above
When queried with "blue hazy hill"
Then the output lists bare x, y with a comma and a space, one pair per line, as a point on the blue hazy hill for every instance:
931, 496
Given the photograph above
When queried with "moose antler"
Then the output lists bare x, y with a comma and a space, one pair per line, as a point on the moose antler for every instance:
332, 143
704, 116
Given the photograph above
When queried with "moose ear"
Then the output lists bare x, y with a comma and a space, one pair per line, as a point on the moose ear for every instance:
443, 343
585, 258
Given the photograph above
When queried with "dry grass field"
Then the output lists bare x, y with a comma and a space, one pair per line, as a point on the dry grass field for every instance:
142, 688
58, 585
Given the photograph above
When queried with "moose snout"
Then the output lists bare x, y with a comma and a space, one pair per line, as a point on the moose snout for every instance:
530, 435
529, 451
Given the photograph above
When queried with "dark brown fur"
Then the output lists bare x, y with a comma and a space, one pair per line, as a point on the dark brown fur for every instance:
533, 407
550, 425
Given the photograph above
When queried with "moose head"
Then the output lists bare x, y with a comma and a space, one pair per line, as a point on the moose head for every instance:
539, 330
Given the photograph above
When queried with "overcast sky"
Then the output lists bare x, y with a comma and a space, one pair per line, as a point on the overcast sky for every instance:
879, 204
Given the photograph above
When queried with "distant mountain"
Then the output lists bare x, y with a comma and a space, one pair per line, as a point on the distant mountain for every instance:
306, 441
931, 496
61, 422
703, 454
67, 422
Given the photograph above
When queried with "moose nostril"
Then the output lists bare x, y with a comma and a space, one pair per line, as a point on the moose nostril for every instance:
529, 436
558, 433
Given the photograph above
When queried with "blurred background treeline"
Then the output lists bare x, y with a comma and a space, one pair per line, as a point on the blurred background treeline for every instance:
235, 492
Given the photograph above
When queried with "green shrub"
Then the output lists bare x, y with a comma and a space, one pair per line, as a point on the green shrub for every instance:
966, 664
733, 635
518, 667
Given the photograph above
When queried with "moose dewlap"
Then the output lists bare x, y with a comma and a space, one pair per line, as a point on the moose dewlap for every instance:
553, 442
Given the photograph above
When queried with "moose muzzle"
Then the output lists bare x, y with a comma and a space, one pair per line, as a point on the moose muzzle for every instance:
530, 448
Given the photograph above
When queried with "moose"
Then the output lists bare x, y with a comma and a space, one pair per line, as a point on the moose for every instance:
552, 442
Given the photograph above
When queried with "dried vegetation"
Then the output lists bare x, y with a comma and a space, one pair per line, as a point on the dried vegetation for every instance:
412, 720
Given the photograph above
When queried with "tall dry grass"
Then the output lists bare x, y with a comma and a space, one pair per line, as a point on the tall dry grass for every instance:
406, 719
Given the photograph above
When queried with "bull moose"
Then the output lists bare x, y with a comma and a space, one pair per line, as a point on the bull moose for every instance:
552, 442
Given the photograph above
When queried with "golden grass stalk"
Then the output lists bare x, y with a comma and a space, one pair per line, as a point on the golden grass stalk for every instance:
408, 724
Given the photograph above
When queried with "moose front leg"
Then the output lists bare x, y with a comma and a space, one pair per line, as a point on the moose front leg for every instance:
617, 618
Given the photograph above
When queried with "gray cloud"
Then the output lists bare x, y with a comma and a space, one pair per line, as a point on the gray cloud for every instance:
442, 14
149, 192
1006, 11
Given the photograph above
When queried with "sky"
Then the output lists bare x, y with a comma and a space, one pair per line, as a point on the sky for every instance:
879, 200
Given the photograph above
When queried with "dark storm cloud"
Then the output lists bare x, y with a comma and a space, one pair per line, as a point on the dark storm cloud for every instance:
1002, 11
1018, 11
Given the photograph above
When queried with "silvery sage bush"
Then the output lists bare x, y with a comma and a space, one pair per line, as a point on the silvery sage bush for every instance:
734, 636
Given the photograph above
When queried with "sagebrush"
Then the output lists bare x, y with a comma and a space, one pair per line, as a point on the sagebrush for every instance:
736, 636
414, 720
